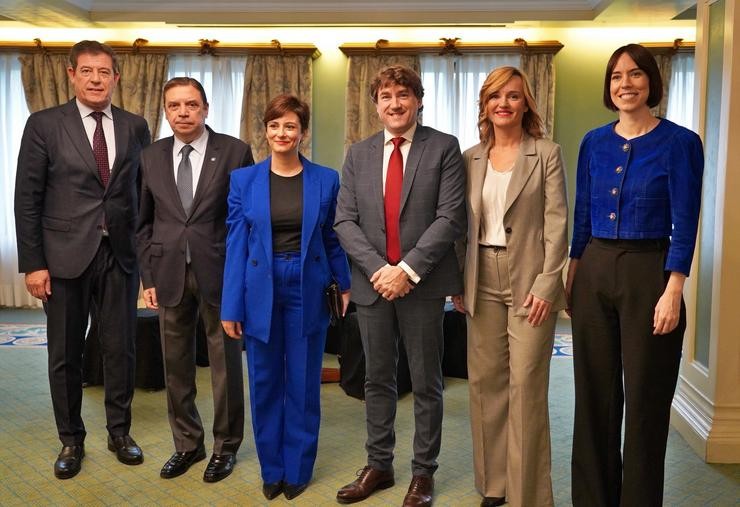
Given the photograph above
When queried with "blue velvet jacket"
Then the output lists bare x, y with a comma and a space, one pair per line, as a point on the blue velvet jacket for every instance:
648, 187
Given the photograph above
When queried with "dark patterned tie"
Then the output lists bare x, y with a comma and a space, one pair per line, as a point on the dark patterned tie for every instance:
392, 201
185, 179
100, 148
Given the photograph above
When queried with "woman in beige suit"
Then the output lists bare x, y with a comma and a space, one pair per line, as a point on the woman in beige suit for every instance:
514, 255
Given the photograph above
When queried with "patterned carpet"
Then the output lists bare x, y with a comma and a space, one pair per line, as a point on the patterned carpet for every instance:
22, 335
29, 444
34, 335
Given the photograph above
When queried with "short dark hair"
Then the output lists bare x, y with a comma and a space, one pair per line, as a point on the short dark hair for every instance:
92, 47
185, 81
646, 62
396, 75
287, 103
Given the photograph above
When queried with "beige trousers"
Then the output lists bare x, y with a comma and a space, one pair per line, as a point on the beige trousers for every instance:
508, 371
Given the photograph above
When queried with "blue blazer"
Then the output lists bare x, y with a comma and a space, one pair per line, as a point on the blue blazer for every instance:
248, 284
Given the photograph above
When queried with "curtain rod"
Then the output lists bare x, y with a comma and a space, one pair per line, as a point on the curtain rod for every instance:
142, 46
677, 46
449, 46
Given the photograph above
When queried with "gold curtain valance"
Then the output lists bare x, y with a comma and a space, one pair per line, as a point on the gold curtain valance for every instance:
449, 46
142, 46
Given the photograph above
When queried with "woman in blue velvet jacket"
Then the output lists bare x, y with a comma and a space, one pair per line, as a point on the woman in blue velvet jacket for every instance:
638, 194
281, 254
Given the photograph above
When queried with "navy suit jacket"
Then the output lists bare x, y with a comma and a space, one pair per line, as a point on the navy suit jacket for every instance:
248, 284
60, 200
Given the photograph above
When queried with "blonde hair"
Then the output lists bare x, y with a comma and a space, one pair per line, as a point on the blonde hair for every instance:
497, 79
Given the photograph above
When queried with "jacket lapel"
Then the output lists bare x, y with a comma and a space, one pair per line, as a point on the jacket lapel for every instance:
476, 178
311, 202
76, 130
166, 174
120, 127
375, 157
208, 169
261, 201
523, 168
418, 145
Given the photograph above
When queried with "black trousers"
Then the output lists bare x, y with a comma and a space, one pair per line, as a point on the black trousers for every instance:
621, 368
111, 293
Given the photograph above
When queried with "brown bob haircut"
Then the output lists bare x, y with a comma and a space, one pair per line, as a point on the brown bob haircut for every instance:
92, 47
397, 75
185, 81
646, 62
287, 103
497, 79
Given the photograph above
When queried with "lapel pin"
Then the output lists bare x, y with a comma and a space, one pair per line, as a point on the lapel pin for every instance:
213, 159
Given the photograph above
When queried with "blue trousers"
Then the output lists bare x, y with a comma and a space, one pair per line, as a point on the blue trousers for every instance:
285, 383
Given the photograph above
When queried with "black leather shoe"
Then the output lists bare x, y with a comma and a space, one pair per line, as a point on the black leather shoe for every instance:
180, 462
126, 450
492, 501
293, 490
272, 489
219, 467
69, 461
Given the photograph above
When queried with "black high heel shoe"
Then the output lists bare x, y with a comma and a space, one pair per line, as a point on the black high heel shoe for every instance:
272, 489
293, 490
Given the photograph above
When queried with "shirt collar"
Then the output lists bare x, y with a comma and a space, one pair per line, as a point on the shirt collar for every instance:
199, 144
408, 135
86, 110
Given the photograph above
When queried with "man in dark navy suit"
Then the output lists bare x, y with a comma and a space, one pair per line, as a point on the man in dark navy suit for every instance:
75, 212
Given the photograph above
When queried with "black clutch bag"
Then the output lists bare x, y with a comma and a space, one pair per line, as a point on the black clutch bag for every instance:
334, 300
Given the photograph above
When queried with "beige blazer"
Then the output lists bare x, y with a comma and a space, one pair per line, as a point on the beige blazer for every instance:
535, 221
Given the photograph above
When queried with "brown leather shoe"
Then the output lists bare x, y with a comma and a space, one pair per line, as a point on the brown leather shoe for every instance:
420, 492
368, 481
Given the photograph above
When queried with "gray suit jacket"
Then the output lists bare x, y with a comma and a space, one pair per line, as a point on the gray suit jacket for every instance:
535, 221
432, 213
163, 227
60, 200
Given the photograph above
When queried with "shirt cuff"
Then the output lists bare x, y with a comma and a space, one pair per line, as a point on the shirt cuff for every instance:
412, 274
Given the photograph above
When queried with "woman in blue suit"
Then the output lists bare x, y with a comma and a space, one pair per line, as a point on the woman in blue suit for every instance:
281, 254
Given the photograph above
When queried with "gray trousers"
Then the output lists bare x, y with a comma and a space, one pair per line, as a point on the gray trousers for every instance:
418, 322
177, 326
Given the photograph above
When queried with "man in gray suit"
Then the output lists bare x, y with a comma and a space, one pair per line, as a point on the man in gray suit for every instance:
400, 208
75, 213
181, 240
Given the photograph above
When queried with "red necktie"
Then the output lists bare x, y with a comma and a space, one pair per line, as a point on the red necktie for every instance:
100, 148
393, 184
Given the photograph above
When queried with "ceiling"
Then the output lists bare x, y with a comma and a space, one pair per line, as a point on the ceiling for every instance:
106, 13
